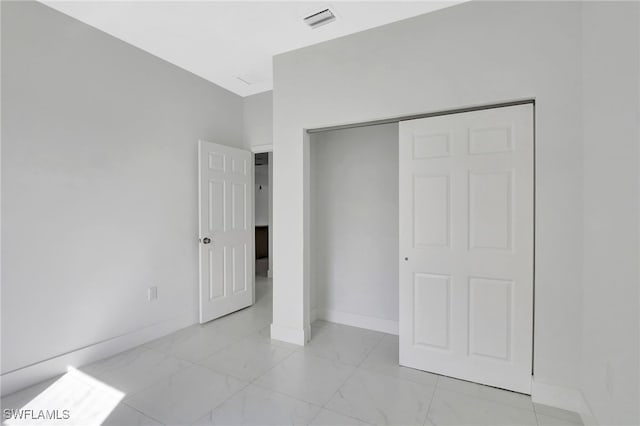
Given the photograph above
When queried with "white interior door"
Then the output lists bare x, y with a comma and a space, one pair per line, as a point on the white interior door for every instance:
466, 245
226, 230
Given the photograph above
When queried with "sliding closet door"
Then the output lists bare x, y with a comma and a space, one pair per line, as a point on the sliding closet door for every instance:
466, 245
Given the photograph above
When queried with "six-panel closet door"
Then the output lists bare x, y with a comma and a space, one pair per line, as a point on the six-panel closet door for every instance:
466, 245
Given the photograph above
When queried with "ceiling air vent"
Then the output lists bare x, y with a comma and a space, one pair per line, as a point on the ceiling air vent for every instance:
320, 18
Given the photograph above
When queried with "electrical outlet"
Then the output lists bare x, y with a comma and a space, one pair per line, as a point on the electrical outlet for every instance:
153, 293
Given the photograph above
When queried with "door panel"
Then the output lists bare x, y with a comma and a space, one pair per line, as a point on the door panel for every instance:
466, 245
490, 210
226, 221
490, 317
431, 214
216, 280
432, 300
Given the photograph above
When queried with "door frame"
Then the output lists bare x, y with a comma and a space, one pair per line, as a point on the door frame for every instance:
307, 131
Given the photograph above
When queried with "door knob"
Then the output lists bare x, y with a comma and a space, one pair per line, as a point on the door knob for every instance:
206, 240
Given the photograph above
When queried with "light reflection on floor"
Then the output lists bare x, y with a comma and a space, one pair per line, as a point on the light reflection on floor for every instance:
88, 401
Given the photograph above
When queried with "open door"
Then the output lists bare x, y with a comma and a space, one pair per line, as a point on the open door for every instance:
226, 229
466, 245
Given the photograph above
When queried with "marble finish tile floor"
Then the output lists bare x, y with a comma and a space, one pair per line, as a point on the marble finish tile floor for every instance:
229, 372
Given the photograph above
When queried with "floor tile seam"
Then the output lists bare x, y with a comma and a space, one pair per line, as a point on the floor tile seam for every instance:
347, 415
484, 398
402, 379
493, 401
104, 374
281, 392
255, 381
535, 413
271, 368
225, 373
433, 395
218, 351
234, 337
215, 407
255, 336
142, 412
176, 332
432, 387
286, 395
247, 335
313, 353
244, 379
556, 416
147, 345
370, 351
355, 369
203, 358
314, 417
343, 414
128, 396
156, 350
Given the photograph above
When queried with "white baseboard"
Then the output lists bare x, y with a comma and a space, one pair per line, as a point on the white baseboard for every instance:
35, 373
556, 396
563, 397
297, 336
356, 320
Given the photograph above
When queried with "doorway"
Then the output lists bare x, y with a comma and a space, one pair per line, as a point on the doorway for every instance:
354, 232
263, 196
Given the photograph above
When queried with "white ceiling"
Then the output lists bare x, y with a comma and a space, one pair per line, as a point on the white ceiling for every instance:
224, 42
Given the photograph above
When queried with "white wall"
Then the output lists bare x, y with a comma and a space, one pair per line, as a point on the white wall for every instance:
99, 186
610, 374
262, 195
354, 214
258, 119
471, 54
